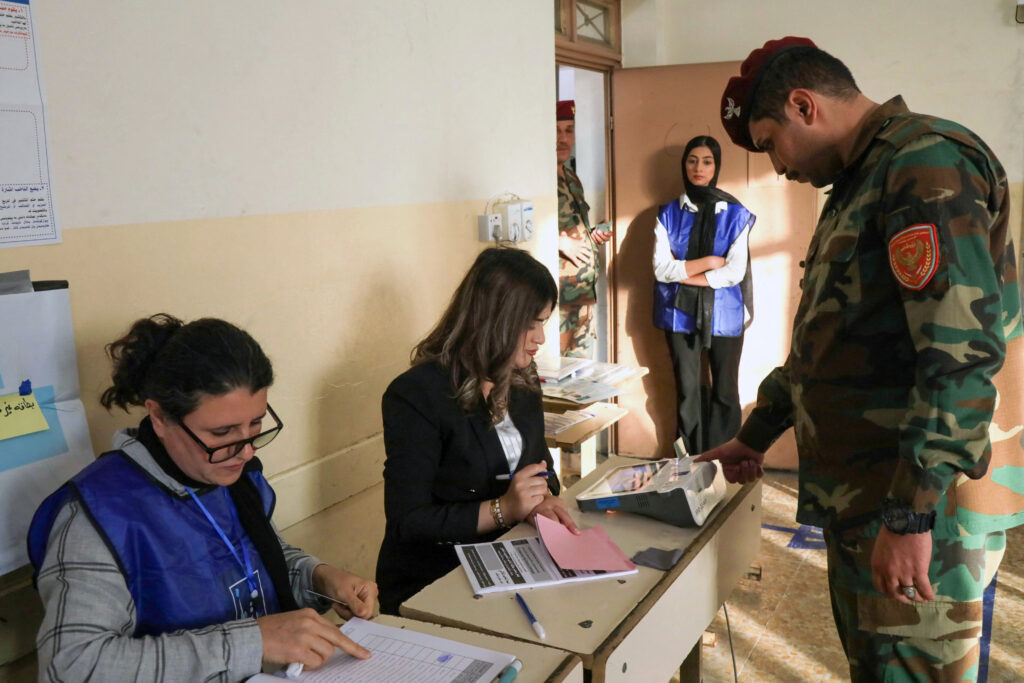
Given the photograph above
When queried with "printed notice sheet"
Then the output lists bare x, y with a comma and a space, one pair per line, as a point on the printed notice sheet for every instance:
26, 199
399, 654
519, 563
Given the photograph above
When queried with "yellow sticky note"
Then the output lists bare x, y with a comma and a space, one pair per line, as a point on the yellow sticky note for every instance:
20, 415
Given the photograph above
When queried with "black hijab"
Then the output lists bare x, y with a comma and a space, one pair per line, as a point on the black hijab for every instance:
248, 505
699, 302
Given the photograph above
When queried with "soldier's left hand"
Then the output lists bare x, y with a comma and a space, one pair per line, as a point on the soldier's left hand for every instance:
899, 561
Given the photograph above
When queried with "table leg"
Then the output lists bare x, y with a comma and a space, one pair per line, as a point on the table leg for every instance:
689, 670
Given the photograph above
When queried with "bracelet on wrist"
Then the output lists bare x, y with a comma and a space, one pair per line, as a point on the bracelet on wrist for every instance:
499, 519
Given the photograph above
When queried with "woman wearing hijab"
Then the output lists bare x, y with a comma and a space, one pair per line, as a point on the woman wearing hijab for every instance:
464, 419
702, 297
158, 561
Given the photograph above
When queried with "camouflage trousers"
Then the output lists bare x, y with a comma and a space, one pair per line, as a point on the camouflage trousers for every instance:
887, 640
576, 331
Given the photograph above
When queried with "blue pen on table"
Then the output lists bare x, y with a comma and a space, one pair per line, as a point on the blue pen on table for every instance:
506, 477
510, 672
537, 628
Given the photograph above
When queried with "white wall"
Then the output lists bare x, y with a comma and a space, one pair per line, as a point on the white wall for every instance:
200, 109
958, 59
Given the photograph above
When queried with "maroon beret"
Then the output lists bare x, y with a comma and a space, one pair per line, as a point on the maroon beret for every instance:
566, 110
737, 96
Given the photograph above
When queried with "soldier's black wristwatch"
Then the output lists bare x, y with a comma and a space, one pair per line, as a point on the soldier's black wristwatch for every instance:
900, 518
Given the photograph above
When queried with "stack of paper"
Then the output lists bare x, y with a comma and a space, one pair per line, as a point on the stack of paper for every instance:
551, 369
556, 423
580, 390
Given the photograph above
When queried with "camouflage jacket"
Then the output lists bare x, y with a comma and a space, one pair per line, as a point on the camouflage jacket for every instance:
910, 306
577, 285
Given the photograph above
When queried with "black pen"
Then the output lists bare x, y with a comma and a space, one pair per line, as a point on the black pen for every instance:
506, 477
326, 597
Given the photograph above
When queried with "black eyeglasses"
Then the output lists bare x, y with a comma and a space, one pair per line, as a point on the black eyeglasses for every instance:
230, 450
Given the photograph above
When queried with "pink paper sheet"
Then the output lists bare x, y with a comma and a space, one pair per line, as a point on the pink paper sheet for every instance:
592, 549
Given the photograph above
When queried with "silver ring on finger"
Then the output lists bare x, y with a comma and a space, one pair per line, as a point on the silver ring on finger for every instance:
908, 591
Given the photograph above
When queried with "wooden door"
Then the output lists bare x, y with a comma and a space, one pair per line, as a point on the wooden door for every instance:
655, 111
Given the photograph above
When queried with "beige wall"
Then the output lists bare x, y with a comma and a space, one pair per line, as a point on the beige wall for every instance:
309, 171
955, 59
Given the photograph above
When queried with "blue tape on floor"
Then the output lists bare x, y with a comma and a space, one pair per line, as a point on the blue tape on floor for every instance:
805, 537
988, 602
21, 450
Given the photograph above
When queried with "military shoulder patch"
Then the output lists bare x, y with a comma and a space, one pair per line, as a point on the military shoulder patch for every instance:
914, 255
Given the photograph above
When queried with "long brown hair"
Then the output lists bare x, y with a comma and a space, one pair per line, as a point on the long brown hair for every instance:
476, 339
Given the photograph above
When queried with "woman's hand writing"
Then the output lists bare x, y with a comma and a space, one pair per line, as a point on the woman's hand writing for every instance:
526, 491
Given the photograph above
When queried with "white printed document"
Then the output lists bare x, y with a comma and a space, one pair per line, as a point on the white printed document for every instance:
400, 654
519, 563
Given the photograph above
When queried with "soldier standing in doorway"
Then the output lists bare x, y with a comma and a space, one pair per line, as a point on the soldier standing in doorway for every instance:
577, 248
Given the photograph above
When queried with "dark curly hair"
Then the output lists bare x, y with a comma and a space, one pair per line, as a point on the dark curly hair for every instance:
177, 364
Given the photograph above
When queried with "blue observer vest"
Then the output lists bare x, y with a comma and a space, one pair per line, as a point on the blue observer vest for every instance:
727, 319
178, 570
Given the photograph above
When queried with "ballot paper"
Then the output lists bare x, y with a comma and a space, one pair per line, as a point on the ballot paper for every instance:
591, 549
400, 654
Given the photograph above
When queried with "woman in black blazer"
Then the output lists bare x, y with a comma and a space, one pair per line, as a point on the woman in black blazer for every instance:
461, 420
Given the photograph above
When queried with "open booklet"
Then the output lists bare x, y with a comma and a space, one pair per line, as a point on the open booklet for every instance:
518, 563
399, 654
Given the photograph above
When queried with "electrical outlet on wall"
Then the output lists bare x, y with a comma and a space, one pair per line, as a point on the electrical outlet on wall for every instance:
489, 227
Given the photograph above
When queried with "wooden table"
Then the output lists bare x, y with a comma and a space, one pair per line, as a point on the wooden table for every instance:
605, 415
560, 405
639, 628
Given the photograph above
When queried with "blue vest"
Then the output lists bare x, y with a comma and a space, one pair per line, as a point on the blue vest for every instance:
727, 320
180, 573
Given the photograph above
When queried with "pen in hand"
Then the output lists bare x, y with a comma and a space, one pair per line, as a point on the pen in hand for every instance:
506, 477
327, 597
537, 628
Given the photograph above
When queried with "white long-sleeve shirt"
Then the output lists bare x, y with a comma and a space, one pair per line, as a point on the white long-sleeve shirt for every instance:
668, 268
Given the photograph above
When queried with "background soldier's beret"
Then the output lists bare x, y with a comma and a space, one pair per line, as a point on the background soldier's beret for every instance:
567, 110
735, 110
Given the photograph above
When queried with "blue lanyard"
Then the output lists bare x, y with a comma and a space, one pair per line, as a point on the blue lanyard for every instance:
246, 566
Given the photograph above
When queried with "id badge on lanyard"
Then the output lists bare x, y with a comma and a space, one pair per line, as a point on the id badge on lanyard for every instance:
247, 592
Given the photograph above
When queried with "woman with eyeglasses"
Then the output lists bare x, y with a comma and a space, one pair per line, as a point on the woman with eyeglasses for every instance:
464, 427
158, 561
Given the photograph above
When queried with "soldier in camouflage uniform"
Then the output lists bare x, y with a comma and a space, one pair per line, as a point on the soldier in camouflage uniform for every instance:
907, 423
577, 248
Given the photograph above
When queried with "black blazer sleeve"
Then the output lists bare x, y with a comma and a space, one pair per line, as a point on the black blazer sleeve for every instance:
442, 463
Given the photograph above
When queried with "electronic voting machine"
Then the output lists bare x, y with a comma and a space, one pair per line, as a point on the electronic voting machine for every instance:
674, 490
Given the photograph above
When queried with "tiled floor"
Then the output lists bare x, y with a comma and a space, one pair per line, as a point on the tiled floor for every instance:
782, 626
